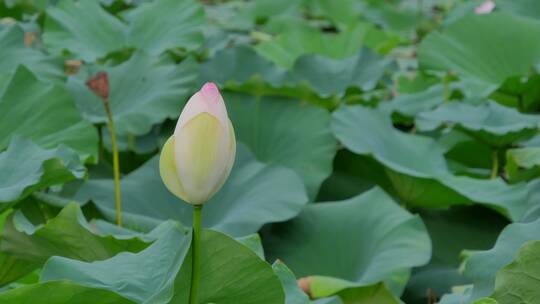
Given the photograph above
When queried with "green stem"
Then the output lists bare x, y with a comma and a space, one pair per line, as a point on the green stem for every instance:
446, 87
101, 148
196, 255
131, 142
116, 163
495, 166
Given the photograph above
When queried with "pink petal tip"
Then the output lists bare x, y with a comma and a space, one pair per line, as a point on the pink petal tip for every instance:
209, 87
210, 92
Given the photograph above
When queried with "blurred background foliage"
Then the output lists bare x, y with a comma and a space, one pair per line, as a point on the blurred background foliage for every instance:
388, 150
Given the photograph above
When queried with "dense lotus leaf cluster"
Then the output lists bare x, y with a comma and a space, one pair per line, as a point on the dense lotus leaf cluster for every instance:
388, 151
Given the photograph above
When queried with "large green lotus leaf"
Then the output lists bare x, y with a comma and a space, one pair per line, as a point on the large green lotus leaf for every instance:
487, 301
25, 167
431, 282
166, 24
460, 10
374, 236
331, 300
405, 84
68, 234
145, 144
230, 273
352, 174
451, 231
13, 52
527, 8
340, 12
283, 24
287, 46
482, 266
105, 228
457, 297
399, 16
520, 92
322, 75
56, 292
84, 28
254, 194
234, 274
533, 212
329, 76
533, 142
518, 281
143, 91
25, 246
272, 8
483, 56
285, 132
466, 155
418, 173
523, 163
11, 268
87, 30
293, 293
253, 242
241, 15
410, 104
377, 293
144, 277
239, 65
20, 9
349, 293
231, 18
381, 41
490, 122
26, 109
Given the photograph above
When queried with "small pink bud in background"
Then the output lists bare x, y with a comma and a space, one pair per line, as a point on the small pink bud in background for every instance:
485, 8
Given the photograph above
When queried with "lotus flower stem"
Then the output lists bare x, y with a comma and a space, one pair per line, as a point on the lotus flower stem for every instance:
446, 87
197, 159
116, 163
495, 165
195, 252
99, 84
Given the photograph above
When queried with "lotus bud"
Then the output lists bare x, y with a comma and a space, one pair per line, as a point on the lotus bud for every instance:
197, 159
99, 84
485, 8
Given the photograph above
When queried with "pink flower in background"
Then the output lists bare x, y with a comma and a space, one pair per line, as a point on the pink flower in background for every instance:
485, 8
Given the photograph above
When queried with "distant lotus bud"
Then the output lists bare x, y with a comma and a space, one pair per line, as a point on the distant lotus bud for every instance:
305, 285
196, 161
99, 84
485, 8
72, 67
